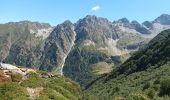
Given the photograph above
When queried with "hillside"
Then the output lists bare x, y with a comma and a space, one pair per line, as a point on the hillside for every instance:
17, 83
20, 42
144, 76
157, 52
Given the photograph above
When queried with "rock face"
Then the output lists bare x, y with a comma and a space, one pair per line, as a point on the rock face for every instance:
76, 50
57, 46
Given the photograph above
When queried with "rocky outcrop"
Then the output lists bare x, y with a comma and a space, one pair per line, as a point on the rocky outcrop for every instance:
9, 69
34, 92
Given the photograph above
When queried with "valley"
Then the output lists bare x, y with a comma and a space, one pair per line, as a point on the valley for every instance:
91, 59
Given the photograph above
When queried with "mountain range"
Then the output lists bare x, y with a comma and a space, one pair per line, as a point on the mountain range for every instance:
81, 51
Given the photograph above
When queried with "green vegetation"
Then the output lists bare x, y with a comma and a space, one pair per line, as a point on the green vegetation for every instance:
144, 76
156, 53
33, 80
149, 83
165, 87
16, 77
20, 46
60, 87
55, 88
78, 65
130, 42
12, 91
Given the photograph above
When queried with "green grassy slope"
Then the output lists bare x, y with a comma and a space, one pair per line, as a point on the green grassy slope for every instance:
144, 76
48, 88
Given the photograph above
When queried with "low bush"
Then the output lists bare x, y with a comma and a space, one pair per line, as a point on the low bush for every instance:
16, 77
165, 87
33, 81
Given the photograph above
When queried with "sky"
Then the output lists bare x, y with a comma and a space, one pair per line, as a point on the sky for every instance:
57, 11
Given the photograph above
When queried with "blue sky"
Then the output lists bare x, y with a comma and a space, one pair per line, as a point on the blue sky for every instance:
57, 11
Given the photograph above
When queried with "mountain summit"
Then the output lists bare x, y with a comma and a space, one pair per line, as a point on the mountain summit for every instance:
164, 19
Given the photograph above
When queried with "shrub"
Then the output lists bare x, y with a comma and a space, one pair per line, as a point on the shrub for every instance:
33, 80
12, 91
165, 87
157, 81
147, 85
151, 94
137, 96
156, 87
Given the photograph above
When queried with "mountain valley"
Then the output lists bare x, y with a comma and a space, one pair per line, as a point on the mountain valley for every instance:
120, 60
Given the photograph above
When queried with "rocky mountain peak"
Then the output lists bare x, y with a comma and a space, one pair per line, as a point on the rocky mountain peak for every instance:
123, 23
123, 20
147, 24
139, 28
67, 23
134, 22
91, 27
164, 19
92, 19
